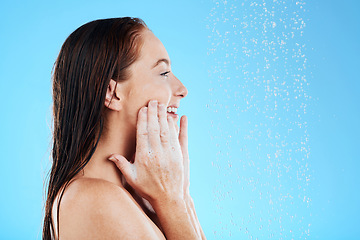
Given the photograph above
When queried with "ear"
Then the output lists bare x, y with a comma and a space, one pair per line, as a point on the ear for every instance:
112, 100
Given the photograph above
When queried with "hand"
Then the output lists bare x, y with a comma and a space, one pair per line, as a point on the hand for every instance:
158, 170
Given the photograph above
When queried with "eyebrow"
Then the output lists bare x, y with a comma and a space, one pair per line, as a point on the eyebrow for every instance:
166, 61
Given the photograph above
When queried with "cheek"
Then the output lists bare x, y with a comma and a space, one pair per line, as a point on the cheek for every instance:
159, 91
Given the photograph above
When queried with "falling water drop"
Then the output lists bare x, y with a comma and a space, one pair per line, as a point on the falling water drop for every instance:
259, 102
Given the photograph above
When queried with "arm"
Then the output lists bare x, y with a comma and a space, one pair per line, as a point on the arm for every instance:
176, 220
195, 221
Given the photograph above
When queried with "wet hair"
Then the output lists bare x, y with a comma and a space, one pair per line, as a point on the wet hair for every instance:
92, 55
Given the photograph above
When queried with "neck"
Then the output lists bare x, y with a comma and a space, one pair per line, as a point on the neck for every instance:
117, 137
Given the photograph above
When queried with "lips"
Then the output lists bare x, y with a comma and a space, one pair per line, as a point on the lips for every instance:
174, 115
171, 111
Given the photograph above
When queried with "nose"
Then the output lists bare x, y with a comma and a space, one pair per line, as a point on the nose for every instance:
181, 90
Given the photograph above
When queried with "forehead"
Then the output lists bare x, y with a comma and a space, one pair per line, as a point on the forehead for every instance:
152, 48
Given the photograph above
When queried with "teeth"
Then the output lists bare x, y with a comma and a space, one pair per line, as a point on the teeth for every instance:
172, 109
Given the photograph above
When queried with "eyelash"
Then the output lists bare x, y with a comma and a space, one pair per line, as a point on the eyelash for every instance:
165, 74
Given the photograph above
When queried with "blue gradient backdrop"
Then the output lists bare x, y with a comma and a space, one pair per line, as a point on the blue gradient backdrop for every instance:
223, 178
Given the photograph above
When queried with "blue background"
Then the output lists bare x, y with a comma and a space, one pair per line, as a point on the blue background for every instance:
273, 110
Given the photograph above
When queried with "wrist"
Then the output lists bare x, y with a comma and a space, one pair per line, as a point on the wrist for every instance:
168, 202
176, 218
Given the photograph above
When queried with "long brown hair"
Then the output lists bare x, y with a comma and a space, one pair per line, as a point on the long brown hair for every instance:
92, 55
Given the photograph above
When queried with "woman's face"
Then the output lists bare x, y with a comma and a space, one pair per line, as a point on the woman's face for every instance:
151, 79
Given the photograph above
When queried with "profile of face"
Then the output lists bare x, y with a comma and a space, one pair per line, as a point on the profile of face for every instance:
151, 78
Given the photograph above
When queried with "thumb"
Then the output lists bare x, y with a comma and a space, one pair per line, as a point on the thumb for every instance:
126, 168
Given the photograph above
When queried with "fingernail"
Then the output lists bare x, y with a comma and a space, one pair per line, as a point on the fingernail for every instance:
153, 102
112, 158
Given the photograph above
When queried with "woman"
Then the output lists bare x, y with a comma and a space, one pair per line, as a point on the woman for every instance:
120, 163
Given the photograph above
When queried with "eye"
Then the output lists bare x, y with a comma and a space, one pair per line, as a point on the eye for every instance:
165, 74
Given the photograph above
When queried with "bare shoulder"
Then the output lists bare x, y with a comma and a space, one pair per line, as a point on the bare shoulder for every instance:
91, 190
98, 209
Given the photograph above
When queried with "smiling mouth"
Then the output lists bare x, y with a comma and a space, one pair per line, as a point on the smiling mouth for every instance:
171, 109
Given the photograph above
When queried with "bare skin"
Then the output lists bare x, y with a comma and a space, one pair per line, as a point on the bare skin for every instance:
148, 198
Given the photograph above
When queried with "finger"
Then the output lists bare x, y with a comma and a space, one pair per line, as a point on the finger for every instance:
183, 138
164, 126
173, 136
153, 125
141, 130
126, 168
183, 133
177, 126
